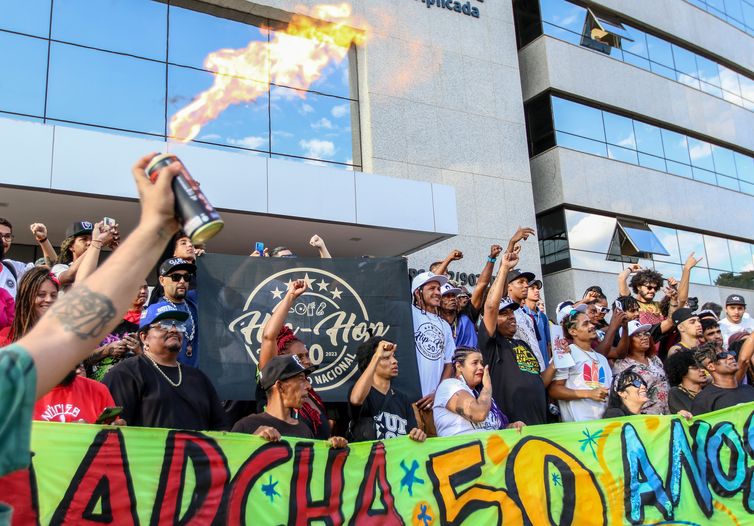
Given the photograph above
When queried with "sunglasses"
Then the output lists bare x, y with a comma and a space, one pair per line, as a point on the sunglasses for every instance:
652, 287
723, 355
167, 325
175, 278
635, 382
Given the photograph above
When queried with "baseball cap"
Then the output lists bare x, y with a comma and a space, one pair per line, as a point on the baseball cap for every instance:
172, 264
682, 315
448, 288
282, 368
507, 303
735, 299
635, 326
425, 277
161, 310
736, 336
708, 314
536, 283
516, 273
564, 308
79, 228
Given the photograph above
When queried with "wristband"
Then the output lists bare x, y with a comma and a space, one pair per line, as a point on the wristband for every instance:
491, 259
41, 240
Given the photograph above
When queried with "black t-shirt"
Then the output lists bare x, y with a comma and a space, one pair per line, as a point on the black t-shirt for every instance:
616, 412
517, 386
679, 399
713, 398
251, 423
392, 413
149, 400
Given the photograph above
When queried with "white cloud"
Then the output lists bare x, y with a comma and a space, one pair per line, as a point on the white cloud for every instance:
251, 141
339, 111
322, 123
306, 108
317, 148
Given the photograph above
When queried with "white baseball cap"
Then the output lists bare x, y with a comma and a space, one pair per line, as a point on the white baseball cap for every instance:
564, 309
635, 326
425, 277
449, 289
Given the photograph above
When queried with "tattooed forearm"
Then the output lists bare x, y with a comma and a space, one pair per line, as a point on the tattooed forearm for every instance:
83, 312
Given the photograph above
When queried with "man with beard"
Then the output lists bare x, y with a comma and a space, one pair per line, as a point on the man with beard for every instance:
711, 331
463, 329
154, 389
74, 399
176, 276
689, 328
725, 390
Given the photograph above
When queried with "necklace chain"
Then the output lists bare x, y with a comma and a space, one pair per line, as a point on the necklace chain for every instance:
190, 336
171, 382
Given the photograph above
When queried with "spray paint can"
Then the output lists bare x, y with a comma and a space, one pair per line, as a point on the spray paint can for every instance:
199, 219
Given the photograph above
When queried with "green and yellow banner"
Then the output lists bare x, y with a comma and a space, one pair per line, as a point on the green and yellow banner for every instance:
638, 470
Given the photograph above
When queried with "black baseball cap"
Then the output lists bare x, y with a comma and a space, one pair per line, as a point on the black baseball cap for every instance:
282, 368
516, 273
79, 228
682, 315
735, 299
173, 264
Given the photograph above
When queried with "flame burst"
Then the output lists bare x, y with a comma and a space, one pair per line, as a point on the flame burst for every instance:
293, 57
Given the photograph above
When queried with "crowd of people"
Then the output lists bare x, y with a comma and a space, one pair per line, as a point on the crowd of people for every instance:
487, 359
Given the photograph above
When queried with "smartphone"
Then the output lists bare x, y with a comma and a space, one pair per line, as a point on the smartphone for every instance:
108, 414
617, 305
259, 247
109, 221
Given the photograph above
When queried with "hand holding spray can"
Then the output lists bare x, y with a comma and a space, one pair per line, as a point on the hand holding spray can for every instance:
199, 219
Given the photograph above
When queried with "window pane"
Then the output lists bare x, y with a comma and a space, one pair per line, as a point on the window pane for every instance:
643, 239
699, 276
581, 144
312, 126
619, 130
747, 87
136, 27
729, 81
704, 176
650, 161
741, 256
712, 90
27, 16
577, 119
195, 35
563, 14
684, 170
594, 262
676, 147
709, 71
685, 61
668, 73
747, 188
701, 154
667, 237
636, 61
660, 51
668, 270
689, 242
22, 84
648, 139
95, 87
243, 125
639, 45
728, 182
717, 253
589, 231
724, 161
744, 167
622, 154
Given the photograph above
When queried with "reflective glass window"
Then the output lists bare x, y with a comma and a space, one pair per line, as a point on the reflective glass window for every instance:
581, 144
622, 154
689, 242
651, 161
619, 130
704, 176
96, 87
648, 139
729, 81
668, 270
701, 154
684, 170
747, 88
669, 240
728, 182
594, 262
660, 51
741, 256
244, 125
22, 84
563, 14
26, 16
744, 167
311, 125
577, 119
590, 232
195, 35
747, 188
638, 43
676, 147
717, 253
685, 61
136, 27
709, 71
725, 162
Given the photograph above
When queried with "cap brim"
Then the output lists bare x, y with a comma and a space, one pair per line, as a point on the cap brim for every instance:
511, 306
452, 291
171, 315
442, 280
183, 266
641, 328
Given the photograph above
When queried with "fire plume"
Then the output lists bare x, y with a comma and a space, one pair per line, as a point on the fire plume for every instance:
293, 57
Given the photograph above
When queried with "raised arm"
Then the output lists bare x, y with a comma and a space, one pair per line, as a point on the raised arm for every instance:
362, 386
744, 357
521, 234
492, 304
485, 276
277, 320
78, 321
605, 347
319, 244
454, 255
622, 278
100, 235
40, 234
474, 409
683, 286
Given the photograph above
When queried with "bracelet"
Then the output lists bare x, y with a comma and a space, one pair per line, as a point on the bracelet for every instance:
491, 259
41, 240
97, 241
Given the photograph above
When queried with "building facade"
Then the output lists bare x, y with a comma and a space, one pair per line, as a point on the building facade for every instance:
451, 125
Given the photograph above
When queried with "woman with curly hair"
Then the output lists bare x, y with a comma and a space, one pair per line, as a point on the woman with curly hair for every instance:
686, 378
37, 291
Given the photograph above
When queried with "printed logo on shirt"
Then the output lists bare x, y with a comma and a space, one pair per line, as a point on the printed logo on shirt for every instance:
61, 413
430, 341
390, 426
594, 375
527, 362
10, 284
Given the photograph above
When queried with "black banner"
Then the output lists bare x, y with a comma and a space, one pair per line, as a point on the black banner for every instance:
344, 299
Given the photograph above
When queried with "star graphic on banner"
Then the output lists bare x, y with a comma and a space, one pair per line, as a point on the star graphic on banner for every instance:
269, 490
409, 477
308, 281
336, 293
590, 441
277, 293
556, 479
289, 283
322, 285
425, 517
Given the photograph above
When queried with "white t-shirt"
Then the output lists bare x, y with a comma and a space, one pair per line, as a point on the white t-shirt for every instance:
728, 328
592, 370
449, 423
7, 281
434, 345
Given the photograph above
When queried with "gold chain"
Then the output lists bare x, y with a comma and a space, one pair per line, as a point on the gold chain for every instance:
180, 374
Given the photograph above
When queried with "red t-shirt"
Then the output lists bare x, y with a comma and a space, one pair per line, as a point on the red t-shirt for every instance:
83, 399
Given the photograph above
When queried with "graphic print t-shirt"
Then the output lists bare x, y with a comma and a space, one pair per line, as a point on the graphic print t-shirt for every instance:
591, 371
83, 399
393, 417
434, 348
